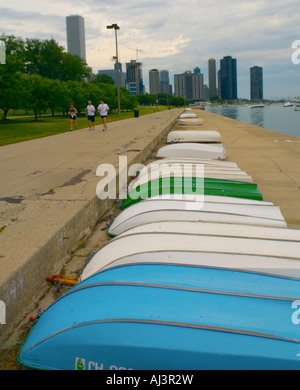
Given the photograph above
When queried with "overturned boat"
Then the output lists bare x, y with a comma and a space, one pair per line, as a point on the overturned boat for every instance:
187, 115
160, 210
161, 171
190, 121
193, 150
193, 136
193, 186
160, 300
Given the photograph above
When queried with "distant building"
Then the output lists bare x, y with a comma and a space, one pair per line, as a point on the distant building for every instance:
113, 74
212, 85
219, 84
76, 36
228, 78
2, 53
256, 83
164, 82
134, 78
189, 85
154, 81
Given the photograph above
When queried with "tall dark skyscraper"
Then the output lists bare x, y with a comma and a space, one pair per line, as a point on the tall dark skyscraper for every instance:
256, 83
228, 78
212, 85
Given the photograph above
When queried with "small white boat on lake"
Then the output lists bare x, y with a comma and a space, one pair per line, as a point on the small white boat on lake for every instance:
193, 150
256, 106
193, 136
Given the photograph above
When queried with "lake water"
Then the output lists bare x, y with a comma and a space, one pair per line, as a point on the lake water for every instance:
274, 117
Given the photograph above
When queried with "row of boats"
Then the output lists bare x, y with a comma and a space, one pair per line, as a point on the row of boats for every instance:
200, 273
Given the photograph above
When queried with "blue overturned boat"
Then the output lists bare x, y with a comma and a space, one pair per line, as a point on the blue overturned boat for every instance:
147, 316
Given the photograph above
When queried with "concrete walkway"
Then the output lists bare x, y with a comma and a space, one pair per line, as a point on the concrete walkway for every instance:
48, 199
270, 157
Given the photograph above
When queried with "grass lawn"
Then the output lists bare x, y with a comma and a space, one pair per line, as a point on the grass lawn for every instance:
19, 128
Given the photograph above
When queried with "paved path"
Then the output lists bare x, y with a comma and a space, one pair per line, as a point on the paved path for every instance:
48, 199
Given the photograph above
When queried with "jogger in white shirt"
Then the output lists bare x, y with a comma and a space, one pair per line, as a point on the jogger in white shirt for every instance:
90, 112
103, 109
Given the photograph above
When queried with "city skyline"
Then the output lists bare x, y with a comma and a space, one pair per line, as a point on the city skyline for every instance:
178, 36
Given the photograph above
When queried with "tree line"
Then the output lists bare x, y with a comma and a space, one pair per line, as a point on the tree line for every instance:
161, 99
40, 75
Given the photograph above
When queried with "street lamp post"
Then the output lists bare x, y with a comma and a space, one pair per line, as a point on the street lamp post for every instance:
116, 27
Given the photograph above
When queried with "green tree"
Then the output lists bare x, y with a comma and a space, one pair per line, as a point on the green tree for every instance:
12, 84
73, 68
58, 96
128, 102
38, 94
103, 78
78, 94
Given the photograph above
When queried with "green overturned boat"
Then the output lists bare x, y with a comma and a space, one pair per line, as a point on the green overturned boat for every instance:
194, 186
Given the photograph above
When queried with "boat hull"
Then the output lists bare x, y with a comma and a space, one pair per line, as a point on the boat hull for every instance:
168, 317
190, 150
191, 172
180, 210
195, 186
276, 257
190, 121
187, 115
194, 136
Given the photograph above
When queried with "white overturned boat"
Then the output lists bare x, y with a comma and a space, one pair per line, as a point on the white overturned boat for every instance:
188, 115
273, 256
195, 160
160, 210
217, 229
193, 136
190, 121
188, 171
193, 150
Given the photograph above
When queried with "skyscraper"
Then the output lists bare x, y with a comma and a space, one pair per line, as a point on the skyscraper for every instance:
228, 78
212, 85
164, 82
189, 86
134, 78
154, 81
256, 83
76, 36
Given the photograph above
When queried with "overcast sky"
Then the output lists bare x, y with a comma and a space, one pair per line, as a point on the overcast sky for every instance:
176, 35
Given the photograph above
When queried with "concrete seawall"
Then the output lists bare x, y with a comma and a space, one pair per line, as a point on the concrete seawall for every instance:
48, 201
